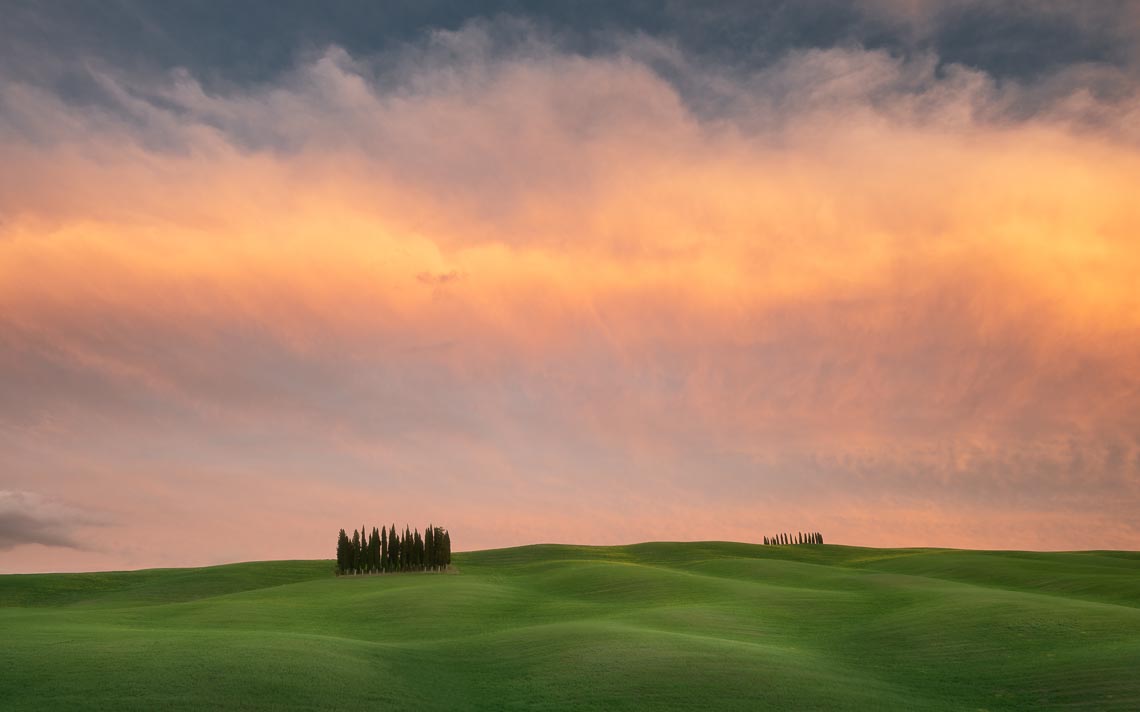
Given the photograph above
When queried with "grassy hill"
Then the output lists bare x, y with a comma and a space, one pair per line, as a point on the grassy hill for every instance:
649, 626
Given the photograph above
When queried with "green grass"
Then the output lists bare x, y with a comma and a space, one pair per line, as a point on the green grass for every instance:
652, 626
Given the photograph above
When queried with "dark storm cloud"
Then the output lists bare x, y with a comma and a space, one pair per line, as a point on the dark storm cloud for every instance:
254, 41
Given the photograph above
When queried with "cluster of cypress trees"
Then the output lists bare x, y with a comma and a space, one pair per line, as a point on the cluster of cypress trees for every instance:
797, 538
387, 550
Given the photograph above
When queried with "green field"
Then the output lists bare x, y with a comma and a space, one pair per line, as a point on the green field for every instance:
649, 626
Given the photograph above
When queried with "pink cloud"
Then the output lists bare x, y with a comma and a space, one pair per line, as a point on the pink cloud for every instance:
536, 296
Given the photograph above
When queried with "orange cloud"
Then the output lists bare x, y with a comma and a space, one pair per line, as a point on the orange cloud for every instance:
866, 288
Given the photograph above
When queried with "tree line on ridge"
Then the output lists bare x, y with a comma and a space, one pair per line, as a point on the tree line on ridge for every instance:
387, 550
797, 538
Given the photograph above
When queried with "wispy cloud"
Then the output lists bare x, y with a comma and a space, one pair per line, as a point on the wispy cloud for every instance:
31, 518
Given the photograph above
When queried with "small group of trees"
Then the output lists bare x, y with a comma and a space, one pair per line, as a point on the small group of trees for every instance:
797, 538
387, 550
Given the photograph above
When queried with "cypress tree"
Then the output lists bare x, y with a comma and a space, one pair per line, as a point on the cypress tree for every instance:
437, 542
410, 545
393, 547
342, 551
385, 550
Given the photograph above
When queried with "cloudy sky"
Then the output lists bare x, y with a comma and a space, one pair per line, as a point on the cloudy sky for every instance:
578, 272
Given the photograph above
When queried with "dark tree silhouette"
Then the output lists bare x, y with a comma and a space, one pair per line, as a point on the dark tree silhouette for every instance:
393, 548
342, 545
786, 538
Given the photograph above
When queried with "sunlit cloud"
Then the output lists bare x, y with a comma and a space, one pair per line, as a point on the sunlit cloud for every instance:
542, 294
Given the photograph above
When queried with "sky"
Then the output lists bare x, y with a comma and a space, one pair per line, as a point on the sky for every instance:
588, 272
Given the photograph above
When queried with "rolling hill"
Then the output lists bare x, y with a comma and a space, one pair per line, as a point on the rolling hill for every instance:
706, 625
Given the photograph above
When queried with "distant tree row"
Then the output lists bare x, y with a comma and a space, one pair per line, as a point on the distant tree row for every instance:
387, 550
797, 538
